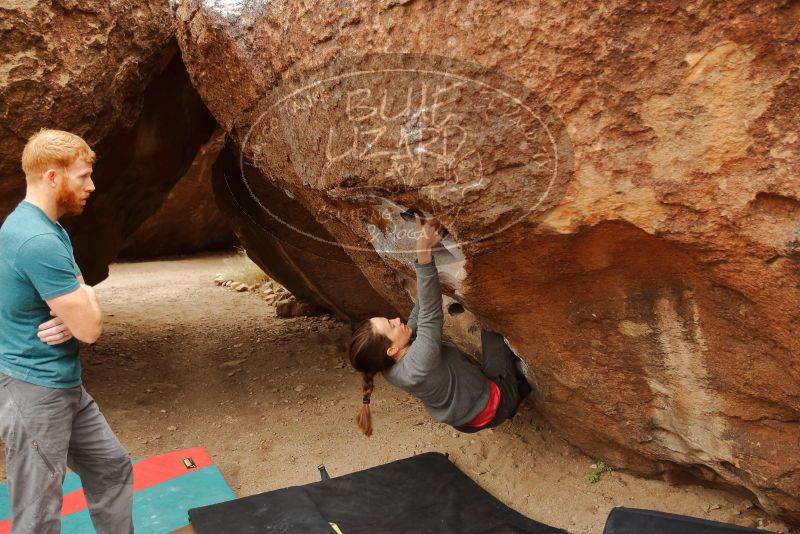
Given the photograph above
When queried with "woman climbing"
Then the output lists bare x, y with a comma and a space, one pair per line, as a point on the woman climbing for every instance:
413, 357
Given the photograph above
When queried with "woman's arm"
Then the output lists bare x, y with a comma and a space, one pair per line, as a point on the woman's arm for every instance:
428, 242
430, 318
425, 351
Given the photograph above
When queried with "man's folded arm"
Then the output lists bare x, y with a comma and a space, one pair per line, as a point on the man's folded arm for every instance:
80, 311
48, 264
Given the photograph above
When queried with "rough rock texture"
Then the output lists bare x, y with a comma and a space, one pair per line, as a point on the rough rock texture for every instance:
78, 68
621, 183
110, 72
188, 220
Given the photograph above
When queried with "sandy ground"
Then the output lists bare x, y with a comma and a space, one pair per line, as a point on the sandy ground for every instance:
185, 363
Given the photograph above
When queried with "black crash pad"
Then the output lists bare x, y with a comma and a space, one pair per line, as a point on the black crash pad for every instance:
636, 521
422, 494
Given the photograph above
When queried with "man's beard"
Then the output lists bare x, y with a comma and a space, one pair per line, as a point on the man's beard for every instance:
68, 202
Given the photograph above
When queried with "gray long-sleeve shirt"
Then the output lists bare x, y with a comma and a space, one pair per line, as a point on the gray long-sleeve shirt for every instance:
453, 390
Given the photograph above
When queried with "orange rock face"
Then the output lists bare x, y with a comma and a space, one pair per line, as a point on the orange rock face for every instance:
621, 184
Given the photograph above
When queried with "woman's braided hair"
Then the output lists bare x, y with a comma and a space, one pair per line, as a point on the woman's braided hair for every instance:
368, 356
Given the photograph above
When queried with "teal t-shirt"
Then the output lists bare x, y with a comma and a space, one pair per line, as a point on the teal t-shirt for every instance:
36, 264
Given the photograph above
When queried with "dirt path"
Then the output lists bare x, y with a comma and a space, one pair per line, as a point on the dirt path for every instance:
183, 363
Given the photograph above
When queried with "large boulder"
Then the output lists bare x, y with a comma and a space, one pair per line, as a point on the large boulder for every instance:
78, 68
111, 73
620, 182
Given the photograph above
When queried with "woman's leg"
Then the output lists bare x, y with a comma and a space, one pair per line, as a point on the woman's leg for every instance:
498, 359
499, 365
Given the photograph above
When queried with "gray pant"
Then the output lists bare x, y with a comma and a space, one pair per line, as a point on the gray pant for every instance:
44, 431
499, 367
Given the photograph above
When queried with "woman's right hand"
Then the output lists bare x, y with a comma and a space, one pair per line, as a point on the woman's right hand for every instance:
429, 234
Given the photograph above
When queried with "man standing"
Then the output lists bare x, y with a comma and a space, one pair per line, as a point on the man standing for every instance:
47, 419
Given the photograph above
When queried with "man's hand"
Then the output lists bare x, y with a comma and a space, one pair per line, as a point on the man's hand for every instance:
54, 331
80, 312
